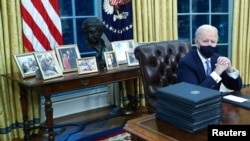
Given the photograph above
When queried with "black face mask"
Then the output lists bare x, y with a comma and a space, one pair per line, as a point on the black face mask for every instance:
207, 51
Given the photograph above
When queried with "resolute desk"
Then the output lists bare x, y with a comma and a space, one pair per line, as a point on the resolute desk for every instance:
68, 82
148, 128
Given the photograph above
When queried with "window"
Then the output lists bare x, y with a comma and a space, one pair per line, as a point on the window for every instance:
73, 13
193, 13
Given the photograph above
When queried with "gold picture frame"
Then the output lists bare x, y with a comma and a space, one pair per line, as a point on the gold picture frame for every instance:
87, 65
26, 63
111, 60
67, 56
48, 64
132, 61
120, 48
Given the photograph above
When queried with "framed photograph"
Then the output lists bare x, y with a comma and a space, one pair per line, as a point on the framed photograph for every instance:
142, 43
111, 60
120, 48
132, 61
67, 56
27, 64
131, 45
48, 64
87, 65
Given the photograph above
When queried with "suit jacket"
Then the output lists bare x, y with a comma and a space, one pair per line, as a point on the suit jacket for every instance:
191, 70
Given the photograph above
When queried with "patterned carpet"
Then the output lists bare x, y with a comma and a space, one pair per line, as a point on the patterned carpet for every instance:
92, 131
117, 136
96, 125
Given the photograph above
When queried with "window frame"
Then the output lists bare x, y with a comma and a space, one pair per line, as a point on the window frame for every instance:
97, 8
210, 14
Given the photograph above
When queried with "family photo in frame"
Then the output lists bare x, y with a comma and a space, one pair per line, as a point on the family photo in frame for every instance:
111, 60
87, 65
131, 44
48, 64
27, 64
132, 61
67, 56
120, 48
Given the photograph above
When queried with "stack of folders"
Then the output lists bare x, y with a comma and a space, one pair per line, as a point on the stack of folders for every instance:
189, 107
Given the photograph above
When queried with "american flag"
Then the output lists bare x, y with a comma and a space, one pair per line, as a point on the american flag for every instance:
42, 29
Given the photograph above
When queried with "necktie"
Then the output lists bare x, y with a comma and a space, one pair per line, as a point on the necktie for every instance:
208, 71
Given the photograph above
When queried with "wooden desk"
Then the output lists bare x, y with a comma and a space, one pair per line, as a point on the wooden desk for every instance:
148, 128
70, 81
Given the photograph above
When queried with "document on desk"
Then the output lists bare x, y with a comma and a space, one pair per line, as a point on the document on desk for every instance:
238, 99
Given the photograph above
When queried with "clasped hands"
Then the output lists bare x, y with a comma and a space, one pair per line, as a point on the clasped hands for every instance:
223, 63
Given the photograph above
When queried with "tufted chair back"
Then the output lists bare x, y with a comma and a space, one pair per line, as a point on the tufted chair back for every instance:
158, 65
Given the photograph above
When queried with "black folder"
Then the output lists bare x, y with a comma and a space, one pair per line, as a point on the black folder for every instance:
212, 110
188, 93
187, 105
191, 127
245, 104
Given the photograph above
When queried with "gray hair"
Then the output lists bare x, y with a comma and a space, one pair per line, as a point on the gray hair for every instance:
205, 27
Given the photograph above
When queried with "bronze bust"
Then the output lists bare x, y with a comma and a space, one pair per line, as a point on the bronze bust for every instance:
93, 29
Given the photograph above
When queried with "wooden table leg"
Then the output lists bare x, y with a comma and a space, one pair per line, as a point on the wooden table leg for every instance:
49, 117
24, 104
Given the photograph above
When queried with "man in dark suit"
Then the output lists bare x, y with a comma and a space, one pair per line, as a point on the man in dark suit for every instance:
192, 68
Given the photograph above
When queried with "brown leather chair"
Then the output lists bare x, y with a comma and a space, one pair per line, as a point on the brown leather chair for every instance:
158, 65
